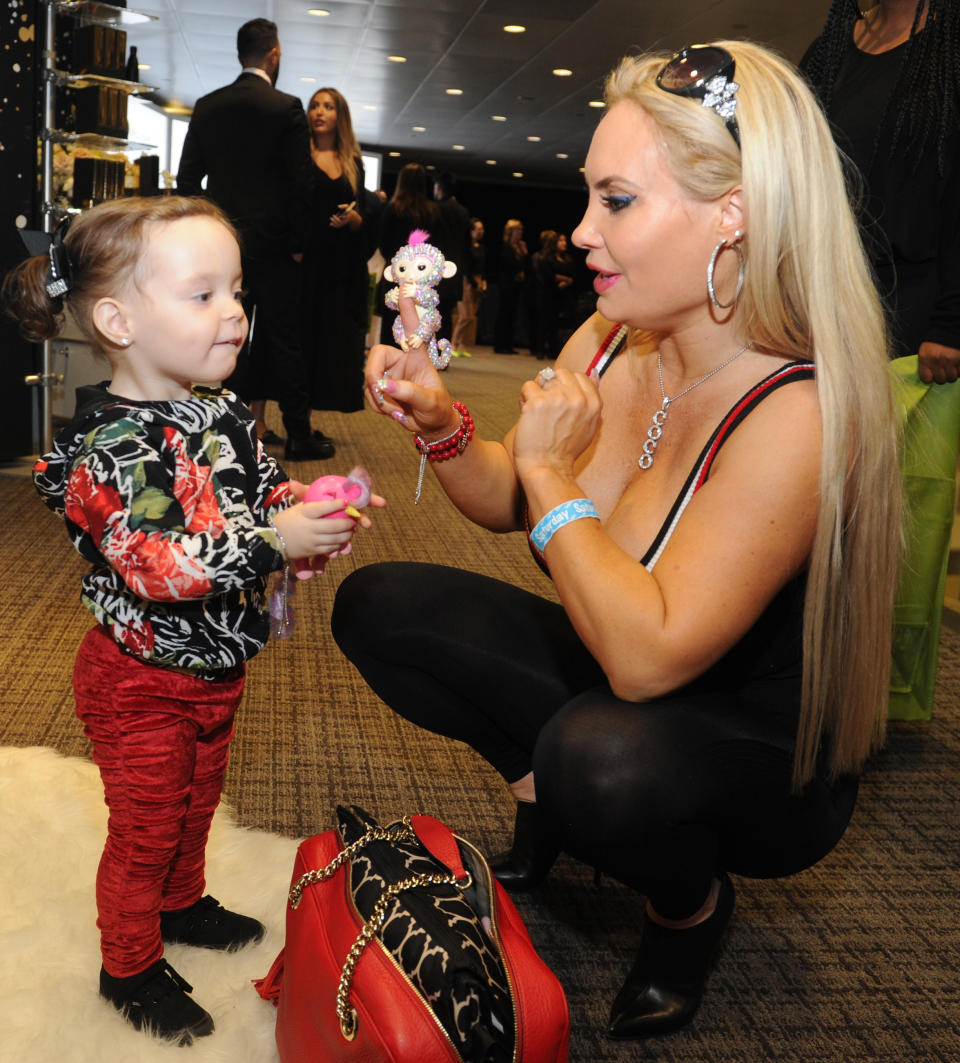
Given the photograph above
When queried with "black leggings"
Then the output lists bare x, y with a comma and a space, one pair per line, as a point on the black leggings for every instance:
659, 794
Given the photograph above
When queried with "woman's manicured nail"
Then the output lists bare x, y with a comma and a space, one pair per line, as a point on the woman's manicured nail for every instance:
400, 416
387, 385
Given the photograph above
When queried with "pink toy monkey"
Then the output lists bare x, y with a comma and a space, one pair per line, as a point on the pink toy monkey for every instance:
416, 269
353, 489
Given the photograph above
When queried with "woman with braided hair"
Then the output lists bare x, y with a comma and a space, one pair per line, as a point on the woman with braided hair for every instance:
889, 80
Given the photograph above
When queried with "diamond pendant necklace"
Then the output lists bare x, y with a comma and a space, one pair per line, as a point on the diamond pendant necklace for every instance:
655, 431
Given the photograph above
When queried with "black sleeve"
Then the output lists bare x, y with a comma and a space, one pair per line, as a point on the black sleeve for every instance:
361, 195
390, 225
944, 324
295, 150
193, 167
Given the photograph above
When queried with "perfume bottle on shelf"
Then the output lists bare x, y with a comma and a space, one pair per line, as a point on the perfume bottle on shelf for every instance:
133, 65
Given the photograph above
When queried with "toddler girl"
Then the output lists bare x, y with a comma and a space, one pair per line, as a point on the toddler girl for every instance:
167, 492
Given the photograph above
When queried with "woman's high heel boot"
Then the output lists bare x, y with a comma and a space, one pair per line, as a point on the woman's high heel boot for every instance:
535, 848
663, 991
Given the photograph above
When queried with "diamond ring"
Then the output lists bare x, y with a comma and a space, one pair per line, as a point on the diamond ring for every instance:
545, 376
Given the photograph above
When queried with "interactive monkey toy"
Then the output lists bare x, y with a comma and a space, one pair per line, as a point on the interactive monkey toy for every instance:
354, 490
416, 269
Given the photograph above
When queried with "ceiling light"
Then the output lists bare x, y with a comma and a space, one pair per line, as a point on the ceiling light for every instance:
458, 147
143, 66
320, 12
562, 155
394, 154
517, 173
396, 58
454, 92
419, 128
514, 29
308, 80
596, 103
562, 72
534, 140
491, 162
369, 107
499, 117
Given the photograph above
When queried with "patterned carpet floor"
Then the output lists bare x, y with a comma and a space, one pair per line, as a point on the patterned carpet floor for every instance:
854, 960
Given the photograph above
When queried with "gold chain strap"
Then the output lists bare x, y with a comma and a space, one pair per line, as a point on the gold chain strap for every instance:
395, 832
345, 1013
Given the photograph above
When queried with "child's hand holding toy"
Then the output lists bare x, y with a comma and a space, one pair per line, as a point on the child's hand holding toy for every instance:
347, 495
355, 491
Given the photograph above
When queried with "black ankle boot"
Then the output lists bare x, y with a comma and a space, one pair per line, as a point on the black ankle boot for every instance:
535, 848
663, 991
156, 1000
209, 925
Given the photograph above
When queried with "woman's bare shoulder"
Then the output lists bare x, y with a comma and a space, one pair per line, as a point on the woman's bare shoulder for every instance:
579, 350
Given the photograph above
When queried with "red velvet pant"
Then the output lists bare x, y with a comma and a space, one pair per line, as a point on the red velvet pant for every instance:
160, 741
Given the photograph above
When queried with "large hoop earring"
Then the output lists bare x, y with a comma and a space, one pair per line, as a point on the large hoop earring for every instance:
740, 275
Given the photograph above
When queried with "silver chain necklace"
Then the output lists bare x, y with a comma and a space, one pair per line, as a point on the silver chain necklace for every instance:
655, 431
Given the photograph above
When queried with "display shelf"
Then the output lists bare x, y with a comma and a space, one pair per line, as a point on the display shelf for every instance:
97, 14
96, 140
89, 81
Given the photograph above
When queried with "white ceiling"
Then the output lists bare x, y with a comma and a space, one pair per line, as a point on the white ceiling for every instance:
191, 50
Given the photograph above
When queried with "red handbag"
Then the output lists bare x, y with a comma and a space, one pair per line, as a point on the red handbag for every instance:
401, 947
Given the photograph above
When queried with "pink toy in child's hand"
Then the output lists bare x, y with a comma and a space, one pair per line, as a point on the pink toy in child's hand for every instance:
353, 489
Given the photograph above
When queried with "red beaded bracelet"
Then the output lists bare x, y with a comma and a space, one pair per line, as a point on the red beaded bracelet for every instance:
453, 444
448, 447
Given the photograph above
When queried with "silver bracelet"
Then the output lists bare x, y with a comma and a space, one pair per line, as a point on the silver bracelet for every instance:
280, 540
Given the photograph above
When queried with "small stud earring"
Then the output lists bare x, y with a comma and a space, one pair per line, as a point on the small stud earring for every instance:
125, 342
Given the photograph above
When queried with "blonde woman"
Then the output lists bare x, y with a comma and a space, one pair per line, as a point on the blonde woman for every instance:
709, 475
336, 281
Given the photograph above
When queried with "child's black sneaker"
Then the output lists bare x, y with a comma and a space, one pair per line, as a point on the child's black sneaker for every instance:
156, 1000
210, 926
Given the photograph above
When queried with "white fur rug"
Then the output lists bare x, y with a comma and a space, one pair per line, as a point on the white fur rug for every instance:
52, 829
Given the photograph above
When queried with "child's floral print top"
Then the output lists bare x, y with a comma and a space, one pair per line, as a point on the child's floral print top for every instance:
171, 502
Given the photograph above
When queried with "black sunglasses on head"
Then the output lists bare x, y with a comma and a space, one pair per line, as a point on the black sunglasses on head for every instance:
704, 72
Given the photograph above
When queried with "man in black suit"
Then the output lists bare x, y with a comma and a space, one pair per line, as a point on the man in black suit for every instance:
251, 143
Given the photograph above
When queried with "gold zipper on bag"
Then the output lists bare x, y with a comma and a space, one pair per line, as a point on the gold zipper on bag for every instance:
498, 941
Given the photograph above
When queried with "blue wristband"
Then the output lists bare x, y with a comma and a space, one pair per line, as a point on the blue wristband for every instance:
552, 522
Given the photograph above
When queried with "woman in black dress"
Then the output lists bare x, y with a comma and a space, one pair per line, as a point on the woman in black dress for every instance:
513, 264
553, 277
336, 280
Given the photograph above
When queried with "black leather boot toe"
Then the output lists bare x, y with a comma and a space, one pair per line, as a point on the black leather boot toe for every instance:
535, 848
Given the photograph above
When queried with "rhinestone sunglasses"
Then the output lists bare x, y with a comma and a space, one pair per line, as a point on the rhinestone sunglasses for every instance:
705, 73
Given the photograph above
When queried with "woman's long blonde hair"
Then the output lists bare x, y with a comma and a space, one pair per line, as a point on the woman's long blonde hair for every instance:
809, 293
344, 140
